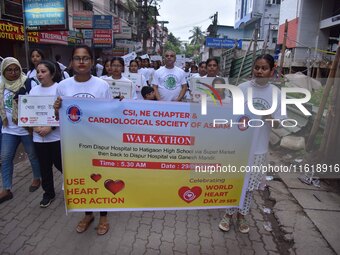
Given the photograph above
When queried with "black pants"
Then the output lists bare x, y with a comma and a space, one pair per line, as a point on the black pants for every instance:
49, 154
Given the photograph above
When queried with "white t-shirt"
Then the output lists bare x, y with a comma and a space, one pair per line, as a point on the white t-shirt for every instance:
12, 128
262, 99
169, 82
54, 135
62, 66
93, 88
33, 74
99, 69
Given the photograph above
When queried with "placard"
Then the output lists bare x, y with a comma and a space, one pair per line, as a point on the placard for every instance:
36, 111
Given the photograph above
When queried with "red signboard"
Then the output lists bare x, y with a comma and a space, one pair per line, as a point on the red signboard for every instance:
13, 31
116, 25
102, 36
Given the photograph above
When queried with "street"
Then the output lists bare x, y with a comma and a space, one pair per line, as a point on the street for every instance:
25, 228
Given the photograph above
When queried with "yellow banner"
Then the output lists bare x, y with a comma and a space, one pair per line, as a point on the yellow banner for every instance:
144, 155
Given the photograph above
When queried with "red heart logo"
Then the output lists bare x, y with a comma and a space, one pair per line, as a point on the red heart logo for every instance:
95, 177
24, 119
114, 186
189, 195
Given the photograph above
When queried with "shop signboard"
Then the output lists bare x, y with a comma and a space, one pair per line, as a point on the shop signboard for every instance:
82, 19
46, 15
102, 22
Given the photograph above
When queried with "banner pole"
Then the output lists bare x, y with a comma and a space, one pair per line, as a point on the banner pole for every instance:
25, 36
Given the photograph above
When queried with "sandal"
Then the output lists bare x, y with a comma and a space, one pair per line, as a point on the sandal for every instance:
84, 224
225, 223
243, 226
102, 228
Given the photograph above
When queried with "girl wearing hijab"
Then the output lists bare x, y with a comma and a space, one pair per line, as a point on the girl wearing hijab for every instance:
13, 81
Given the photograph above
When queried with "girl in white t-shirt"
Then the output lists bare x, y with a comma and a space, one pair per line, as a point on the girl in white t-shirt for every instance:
36, 57
47, 139
107, 72
83, 84
139, 83
117, 67
262, 99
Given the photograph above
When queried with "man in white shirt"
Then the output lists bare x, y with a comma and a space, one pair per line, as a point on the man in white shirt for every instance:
99, 67
169, 81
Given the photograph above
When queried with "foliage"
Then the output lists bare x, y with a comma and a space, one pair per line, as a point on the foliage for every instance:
170, 46
192, 50
197, 36
174, 40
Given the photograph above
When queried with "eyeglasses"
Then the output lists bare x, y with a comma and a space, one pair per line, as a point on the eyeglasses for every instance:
12, 70
82, 59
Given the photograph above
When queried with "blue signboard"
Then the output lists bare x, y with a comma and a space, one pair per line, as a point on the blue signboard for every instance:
102, 22
40, 13
222, 43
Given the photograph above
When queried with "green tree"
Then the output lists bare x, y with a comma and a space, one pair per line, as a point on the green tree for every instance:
174, 40
170, 46
197, 36
192, 50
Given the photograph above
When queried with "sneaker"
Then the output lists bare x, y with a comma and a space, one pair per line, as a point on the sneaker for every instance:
225, 223
46, 201
243, 225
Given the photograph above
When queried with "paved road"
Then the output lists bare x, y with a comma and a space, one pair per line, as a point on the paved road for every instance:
25, 228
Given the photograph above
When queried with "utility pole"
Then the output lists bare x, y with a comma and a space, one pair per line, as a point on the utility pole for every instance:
139, 21
214, 31
155, 30
283, 49
162, 36
256, 32
145, 24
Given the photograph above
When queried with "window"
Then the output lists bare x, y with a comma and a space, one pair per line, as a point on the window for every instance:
12, 8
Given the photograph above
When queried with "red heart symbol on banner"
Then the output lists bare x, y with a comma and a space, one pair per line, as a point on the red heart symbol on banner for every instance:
24, 119
95, 177
114, 186
189, 195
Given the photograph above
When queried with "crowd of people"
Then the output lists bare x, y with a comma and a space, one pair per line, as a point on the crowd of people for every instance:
82, 79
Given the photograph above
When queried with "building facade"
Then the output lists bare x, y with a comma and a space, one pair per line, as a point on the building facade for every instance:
263, 14
313, 29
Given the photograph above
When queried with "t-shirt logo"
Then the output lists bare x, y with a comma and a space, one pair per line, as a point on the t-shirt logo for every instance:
260, 104
8, 102
170, 82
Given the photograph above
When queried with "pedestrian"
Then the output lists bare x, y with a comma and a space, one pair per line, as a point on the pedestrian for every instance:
117, 66
212, 67
12, 83
148, 93
36, 56
98, 70
169, 81
47, 139
83, 84
58, 59
262, 89
202, 70
107, 72
140, 82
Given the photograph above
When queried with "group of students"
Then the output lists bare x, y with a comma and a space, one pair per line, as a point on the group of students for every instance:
44, 149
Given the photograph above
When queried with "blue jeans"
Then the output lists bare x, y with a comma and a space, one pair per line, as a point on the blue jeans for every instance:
0, 133
10, 144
